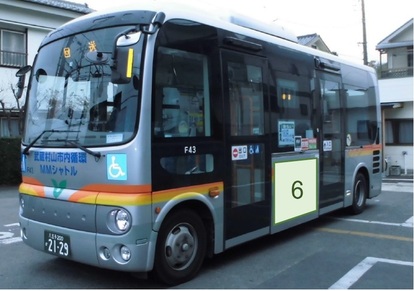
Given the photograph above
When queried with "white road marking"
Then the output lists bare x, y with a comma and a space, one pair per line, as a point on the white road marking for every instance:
4, 235
11, 240
8, 237
359, 270
407, 223
397, 187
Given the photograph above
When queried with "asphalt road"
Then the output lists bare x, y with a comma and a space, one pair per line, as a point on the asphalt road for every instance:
373, 250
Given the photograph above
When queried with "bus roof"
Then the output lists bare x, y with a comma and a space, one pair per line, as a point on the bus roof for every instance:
228, 19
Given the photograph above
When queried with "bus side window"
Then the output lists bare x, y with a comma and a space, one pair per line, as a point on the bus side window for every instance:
181, 95
296, 110
361, 116
246, 100
188, 165
182, 115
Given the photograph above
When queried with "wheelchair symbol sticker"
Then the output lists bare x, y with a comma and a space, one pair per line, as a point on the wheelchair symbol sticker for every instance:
116, 165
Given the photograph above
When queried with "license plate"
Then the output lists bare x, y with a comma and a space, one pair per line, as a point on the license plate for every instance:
57, 244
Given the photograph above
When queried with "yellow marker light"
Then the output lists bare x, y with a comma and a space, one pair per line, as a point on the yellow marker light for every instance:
66, 52
214, 192
130, 62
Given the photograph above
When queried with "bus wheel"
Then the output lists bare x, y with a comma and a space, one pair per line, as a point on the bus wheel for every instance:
360, 193
181, 248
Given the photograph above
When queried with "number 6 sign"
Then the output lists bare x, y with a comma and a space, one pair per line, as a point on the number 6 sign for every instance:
295, 188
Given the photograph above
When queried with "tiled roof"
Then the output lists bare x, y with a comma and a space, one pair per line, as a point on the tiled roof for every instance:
306, 39
314, 40
76, 7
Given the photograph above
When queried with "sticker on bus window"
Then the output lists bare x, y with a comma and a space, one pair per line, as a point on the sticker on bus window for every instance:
327, 145
239, 153
298, 143
286, 133
313, 143
254, 149
115, 137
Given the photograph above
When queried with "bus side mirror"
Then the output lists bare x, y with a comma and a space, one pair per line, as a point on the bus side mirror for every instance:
21, 74
123, 57
122, 66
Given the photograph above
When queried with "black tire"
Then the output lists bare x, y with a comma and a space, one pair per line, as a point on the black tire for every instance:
181, 248
359, 194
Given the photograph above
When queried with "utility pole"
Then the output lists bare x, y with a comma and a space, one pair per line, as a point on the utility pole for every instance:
364, 34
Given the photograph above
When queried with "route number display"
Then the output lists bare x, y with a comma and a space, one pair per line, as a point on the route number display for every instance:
295, 189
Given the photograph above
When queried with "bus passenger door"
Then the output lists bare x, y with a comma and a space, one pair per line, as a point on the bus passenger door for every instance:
247, 205
332, 139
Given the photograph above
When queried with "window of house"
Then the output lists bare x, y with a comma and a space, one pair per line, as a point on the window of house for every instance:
410, 57
9, 127
12, 48
399, 132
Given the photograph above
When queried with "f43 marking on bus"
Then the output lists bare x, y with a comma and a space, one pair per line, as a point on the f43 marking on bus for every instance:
190, 149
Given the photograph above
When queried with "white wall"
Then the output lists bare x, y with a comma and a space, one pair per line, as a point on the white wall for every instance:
406, 111
394, 154
34, 38
395, 157
396, 90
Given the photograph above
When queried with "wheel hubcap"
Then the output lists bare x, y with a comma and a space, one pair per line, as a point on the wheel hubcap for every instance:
360, 193
181, 246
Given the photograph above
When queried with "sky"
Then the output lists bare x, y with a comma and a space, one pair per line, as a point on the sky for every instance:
338, 22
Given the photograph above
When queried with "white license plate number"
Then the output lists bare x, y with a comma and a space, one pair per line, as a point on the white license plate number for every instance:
57, 244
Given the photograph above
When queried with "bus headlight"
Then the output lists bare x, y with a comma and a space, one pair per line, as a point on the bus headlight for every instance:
122, 220
119, 221
125, 253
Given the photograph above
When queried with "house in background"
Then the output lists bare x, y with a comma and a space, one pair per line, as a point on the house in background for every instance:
395, 78
314, 41
23, 25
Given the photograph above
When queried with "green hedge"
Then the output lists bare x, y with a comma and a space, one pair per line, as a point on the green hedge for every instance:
10, 161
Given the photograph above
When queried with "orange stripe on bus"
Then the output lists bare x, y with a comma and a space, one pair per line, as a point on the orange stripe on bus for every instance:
364, 151
124, 195
124, 200
106, 198
121, 189
187, 192
32, 181
32, 189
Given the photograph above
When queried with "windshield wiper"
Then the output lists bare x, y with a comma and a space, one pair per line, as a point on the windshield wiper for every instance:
97, 155
27, 148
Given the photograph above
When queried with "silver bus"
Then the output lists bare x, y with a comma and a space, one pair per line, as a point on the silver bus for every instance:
159, 135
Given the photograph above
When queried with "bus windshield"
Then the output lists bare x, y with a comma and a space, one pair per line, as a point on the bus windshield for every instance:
72, 99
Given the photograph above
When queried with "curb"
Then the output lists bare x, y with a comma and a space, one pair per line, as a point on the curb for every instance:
398, 179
